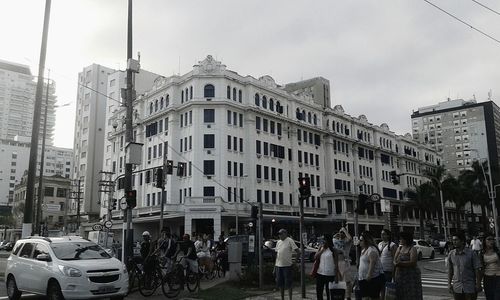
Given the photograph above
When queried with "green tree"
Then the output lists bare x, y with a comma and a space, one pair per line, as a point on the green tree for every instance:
455, 191
478, 189
436, 176
422, 199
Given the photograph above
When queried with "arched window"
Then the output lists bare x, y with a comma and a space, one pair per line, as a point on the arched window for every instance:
327, 123
240, 96
187, 93
298, 115
309, 117
191, 92
271, 104
315, 120
278, 107
209, 91
264, 102
156, 105
167, 100
228, 92
304, 116
182, 96
161, 103
234, 94
257, 99
151, 108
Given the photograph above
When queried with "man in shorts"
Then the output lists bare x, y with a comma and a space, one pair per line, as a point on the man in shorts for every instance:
283, 266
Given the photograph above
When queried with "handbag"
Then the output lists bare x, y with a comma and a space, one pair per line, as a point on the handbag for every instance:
390, 291
314, 271
337, 290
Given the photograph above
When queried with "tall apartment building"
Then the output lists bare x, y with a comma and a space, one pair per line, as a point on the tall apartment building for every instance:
462, 131
246, 140
17, 101
15, 160
98, 92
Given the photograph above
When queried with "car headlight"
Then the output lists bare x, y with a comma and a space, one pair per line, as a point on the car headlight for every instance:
70, 272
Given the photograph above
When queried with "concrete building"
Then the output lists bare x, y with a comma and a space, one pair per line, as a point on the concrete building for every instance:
98, 94
246, 140
54, 205
461, 131
17, 102
15, 160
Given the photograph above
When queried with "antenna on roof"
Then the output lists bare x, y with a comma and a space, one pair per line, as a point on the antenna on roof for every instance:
490, 94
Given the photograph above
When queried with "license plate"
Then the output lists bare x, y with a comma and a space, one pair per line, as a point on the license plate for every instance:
106, 289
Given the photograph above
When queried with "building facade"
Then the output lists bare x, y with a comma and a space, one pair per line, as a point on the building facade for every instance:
245, 140
99, 93
15, 162
17, 102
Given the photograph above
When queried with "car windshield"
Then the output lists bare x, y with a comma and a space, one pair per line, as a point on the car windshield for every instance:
79, 250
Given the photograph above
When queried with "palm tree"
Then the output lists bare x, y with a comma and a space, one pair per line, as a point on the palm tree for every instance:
456, 192
479, 189
421, 198
436, 176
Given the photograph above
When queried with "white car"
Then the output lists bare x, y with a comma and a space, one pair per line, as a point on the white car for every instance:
64, 268
424, 249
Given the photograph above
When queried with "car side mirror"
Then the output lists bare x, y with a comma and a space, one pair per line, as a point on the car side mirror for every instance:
43, 257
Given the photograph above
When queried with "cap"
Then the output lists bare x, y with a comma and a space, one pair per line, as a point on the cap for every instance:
145, 233
282, 231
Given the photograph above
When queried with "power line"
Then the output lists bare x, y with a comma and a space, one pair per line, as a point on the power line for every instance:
463, 22
490, 9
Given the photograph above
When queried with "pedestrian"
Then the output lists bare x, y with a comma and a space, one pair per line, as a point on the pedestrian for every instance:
387, 250
475, 244
371, 276
464, 270
342, 241
407, 274
490, 256
283, 265
327, 268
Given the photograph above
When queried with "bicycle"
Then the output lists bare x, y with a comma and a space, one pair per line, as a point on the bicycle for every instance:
174, 281
135, 272
152, 279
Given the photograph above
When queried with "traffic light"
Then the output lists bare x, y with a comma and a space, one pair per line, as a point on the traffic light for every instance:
169, 167
394, 177
114, 203
131, 197
159, 178
181, 169
362, 201
304, 187
255, 212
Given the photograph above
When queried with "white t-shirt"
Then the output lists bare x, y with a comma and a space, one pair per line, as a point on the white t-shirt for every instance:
386, 255
326, 264
475, 244
284, 249
364, 263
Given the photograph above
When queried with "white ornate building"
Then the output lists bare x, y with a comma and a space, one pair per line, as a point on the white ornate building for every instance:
247, 140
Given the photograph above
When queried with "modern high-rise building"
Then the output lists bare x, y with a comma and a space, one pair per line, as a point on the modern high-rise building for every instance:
235, 141
17, 102
461, 131
99, 92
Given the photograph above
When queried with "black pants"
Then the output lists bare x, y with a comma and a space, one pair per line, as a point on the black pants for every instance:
322, 283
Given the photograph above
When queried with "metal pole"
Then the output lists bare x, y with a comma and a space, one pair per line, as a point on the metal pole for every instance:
443, 212
30, 185
261, 262
38, 219
356, 233
493, 204
236, 192
129, 133
163, 195
302, 263
78, 206
65, 221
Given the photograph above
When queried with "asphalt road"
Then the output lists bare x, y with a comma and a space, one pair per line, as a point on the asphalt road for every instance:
434, 284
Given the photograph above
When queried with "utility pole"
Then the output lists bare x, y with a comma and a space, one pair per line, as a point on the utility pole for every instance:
259, 241
38, 219
132, 66
77, 196
30, 185
107, 186
302, 262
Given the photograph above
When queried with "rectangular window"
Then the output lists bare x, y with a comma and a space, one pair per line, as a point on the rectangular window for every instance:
264, 125
273, 197
280, 175
209, 141
278, 127
257, 147
266, 148
266, 196
209, 167
229, 194
299, 156
209, 115
235, 168
229, 139
228, 168
241, 120
259, 171
259, 195
229, 117
241, 145
299, 134
272, 126
235, 143
266, 173
273, 174
208, 191
241, 169
257, 123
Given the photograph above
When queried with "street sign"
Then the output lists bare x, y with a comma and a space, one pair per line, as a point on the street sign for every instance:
123, 203
492, 220
355, 240
251, 243
108, 224
385, 205
492, 225
52, 207
97, 227
375, 197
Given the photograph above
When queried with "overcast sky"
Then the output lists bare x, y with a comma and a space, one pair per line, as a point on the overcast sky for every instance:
383, 58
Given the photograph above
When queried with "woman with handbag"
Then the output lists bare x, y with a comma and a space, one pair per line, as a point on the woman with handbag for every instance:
327, 261
490, 257
407, 274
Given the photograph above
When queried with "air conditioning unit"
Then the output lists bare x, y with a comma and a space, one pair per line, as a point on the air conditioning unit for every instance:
300, 143
300, 165
258, 155
209, 152
279, 137
166, 132
209, 99
209, 177
336, 172
259, 180
209, 126
258, 131
280, 160
317, 168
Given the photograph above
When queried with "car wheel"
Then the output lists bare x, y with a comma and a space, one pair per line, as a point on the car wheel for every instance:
419, 256
54, 291
12, 291
433, 255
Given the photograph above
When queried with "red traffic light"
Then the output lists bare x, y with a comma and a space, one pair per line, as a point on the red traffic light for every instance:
131, 197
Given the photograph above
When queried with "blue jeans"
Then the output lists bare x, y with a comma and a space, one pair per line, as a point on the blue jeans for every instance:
492, 287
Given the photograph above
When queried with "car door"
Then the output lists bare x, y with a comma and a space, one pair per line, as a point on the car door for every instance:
23, 278
40, 270
425, 248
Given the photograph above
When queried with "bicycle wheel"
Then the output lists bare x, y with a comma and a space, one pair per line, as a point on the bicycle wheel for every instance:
171, 285
149, 283
220, 271
192, 281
